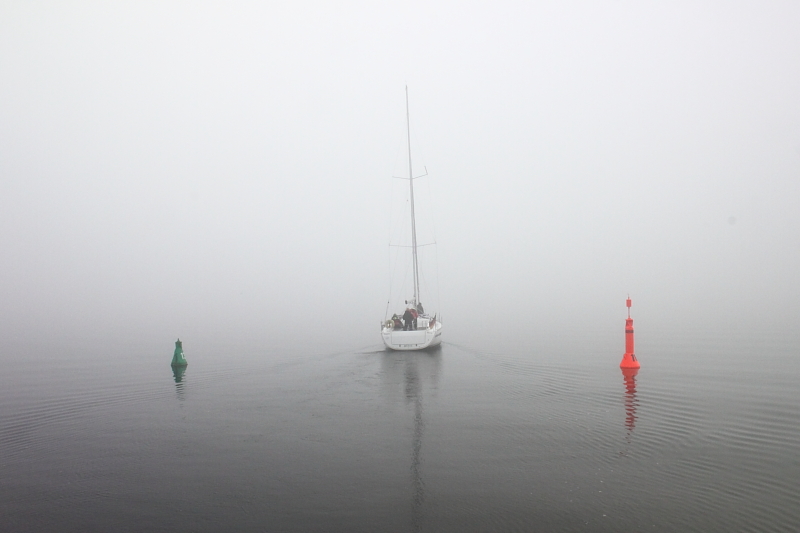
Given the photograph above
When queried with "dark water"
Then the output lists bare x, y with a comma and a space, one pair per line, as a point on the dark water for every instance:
542, 435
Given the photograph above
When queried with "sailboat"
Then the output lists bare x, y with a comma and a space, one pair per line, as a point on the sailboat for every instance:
412, 328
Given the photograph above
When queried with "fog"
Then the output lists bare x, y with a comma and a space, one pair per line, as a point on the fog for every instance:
218, 170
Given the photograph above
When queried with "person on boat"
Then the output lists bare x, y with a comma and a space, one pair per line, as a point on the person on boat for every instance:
408, 320
420, 309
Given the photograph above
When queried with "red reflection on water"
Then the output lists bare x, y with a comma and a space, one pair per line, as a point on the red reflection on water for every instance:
629, 376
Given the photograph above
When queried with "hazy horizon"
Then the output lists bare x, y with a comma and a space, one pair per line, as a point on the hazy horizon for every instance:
195, 169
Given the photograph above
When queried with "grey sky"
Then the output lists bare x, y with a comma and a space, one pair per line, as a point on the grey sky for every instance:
191, 168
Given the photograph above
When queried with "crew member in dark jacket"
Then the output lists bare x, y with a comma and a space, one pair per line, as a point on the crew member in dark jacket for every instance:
408, 319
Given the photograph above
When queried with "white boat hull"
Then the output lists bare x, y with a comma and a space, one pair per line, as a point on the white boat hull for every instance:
397, 339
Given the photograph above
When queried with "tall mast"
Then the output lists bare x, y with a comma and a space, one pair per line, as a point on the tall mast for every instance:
413, 221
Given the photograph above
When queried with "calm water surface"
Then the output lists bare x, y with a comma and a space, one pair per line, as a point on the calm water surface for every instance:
550, 436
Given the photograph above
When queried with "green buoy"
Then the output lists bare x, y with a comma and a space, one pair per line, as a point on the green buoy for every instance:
178, 359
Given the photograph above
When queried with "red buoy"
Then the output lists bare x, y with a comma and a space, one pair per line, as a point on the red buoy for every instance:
629, 359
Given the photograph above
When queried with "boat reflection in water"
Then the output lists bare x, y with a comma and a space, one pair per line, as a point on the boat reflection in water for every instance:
629, 377
414, 395
416, 373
